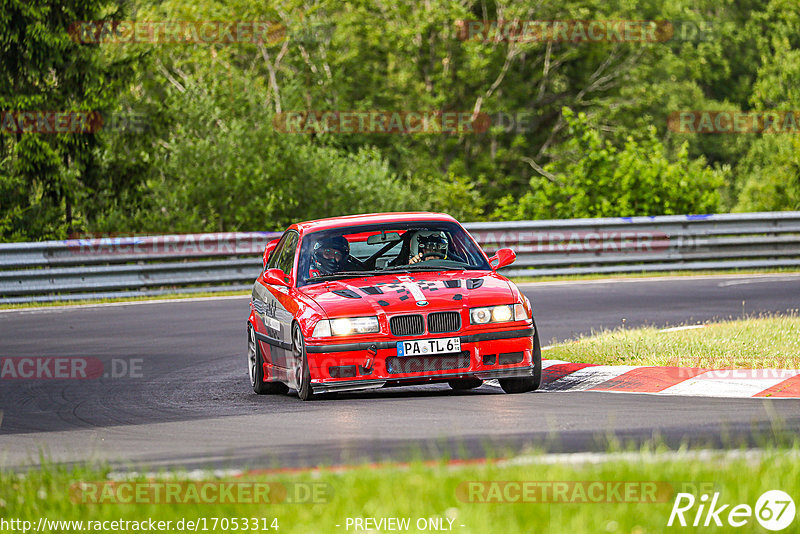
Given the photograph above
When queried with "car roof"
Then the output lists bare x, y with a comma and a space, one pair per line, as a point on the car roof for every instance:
370, 218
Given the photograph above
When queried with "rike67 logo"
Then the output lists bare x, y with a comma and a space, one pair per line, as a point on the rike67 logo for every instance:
774, 510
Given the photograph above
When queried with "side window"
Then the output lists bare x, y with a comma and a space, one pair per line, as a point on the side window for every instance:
286, 257
276, 254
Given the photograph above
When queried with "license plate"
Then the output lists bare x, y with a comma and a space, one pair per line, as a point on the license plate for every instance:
424, 347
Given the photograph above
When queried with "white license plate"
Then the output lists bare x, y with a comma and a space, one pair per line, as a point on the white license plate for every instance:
424, 347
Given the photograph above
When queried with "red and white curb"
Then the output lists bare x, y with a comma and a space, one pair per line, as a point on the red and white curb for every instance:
559, 375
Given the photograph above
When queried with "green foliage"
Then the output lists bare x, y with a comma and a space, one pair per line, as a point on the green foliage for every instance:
47, 179
772, 167
223, 167
203, 154
590, 177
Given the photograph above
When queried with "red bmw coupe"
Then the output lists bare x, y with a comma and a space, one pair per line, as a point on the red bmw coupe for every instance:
390, 299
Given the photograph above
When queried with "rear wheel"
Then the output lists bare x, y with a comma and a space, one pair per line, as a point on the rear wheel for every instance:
304, 390
527, 383
255, 364
461, 384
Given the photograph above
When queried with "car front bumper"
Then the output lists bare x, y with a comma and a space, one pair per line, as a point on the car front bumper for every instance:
373, 364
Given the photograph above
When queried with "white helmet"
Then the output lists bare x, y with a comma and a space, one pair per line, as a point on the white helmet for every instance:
429, 241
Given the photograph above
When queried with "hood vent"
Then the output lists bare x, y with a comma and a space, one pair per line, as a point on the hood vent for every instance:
372, 290
347, 293
474, 283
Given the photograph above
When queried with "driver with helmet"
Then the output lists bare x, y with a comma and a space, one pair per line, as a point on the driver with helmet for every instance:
426, 245
329, 256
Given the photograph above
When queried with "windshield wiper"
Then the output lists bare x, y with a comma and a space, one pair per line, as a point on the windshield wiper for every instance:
418, 267
342, 274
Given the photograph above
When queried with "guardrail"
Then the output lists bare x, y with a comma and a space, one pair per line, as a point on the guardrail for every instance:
111, 267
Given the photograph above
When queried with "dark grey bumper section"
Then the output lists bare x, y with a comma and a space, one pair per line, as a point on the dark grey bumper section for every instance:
355, 385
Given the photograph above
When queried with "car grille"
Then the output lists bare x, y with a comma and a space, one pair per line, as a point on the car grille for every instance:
442, 322
419, 364
406, 325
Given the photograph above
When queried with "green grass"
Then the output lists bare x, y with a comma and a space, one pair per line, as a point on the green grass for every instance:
441, 490
768, 342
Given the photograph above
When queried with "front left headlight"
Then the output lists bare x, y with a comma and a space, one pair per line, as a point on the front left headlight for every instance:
498, 314
345, 326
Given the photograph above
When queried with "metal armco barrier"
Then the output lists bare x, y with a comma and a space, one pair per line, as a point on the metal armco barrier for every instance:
150, 265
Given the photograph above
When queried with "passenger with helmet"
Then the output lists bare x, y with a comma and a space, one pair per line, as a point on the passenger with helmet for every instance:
329, 256
426, 245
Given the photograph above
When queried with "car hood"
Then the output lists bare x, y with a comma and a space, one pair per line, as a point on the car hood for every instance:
410, 293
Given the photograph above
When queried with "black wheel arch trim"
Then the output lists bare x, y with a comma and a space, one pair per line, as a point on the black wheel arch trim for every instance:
272, 341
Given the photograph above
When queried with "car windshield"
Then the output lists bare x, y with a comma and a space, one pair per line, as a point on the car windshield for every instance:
368, 250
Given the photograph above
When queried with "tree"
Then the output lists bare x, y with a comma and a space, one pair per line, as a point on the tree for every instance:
48, 179
590, 177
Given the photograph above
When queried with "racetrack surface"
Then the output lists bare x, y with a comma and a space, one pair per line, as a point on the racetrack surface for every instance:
193, 406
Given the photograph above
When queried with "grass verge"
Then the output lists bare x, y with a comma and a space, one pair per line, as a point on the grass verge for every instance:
634, 494
767, 342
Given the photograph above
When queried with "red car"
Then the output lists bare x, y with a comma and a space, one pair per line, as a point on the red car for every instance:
390, 299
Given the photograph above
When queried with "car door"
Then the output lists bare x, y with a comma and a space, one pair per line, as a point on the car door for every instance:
276, 308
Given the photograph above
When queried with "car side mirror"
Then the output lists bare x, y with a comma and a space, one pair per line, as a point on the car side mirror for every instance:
275, 277
502, 258
268, 250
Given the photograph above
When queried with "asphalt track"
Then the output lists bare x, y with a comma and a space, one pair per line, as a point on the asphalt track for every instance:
192, 405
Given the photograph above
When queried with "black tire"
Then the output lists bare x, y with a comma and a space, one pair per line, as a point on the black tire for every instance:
527, 383
255, 364
461, 384
304, 390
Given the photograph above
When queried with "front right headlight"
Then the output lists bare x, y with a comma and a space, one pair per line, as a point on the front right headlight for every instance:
498, 314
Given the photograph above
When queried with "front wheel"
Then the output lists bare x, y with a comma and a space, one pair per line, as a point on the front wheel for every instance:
527, 383
255, 364
304, 390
